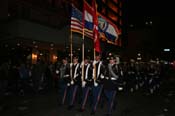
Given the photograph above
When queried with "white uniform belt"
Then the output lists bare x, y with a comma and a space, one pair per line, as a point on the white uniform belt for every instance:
131, 72
151, 74
112, 78
66, 75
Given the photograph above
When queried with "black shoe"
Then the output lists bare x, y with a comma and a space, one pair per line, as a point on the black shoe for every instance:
101, 106
92, 112
70, 107
81, 110
108, 115
114, 107
60, 104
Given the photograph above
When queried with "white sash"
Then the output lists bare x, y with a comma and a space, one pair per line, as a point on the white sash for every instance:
76, 70
87, 69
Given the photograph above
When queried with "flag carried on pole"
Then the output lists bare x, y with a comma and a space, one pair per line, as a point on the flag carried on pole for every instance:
95, 28
90, 19
108, 30
76, 23
76, 20
90, 23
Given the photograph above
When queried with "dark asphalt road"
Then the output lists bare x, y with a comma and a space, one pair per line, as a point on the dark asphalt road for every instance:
128, 104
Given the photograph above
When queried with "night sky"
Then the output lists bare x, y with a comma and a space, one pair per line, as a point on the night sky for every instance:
159, 13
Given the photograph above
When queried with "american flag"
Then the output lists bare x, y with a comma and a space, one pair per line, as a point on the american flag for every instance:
76, 23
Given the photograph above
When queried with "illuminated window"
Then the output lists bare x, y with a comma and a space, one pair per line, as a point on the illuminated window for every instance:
113, 16
103, 11
104, 1
120, 22
34, 58
116, 1
120, 5
120, 13
113, 7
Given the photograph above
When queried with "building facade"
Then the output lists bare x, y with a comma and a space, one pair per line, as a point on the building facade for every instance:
41, 27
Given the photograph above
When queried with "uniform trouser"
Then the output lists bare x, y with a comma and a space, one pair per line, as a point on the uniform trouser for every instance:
73, 92
110, 94
96, 93
63, 90
85, 90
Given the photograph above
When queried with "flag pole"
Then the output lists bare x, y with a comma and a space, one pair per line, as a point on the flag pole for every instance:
94, 66
95, 75
71, 55
82, 75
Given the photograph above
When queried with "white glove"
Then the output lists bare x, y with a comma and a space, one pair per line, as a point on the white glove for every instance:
66, 75
68, 84
94, 62
57, 71
83, 83
102, 76
95, 84
76, 75
71, 64
122, 73
82, 63
72, 82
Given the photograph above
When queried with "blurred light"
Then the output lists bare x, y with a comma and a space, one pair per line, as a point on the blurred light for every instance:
120, 88
139, 54
54, 57
52, 45
34, 58
6, 45
165, 109
151, 22
36, 46
166, 50
165, 62
18, 44
139, 58
34, 42
57, 71
131, 25
28, 49
146, 23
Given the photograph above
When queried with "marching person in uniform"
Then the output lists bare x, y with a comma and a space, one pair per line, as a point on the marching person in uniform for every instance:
64, 78
151, 72
131, 80
75, 81
98, 77
87, 82
110, 83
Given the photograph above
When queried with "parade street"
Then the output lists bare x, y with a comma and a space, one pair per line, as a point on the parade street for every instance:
128, 104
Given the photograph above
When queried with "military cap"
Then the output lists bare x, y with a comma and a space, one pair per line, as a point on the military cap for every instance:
65, 58
111, 57
87, 58
75, 56
98, 54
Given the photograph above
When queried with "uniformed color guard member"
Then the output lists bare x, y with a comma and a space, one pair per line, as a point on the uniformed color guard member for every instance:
87, 82
75, 81
110, 83
98, 77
